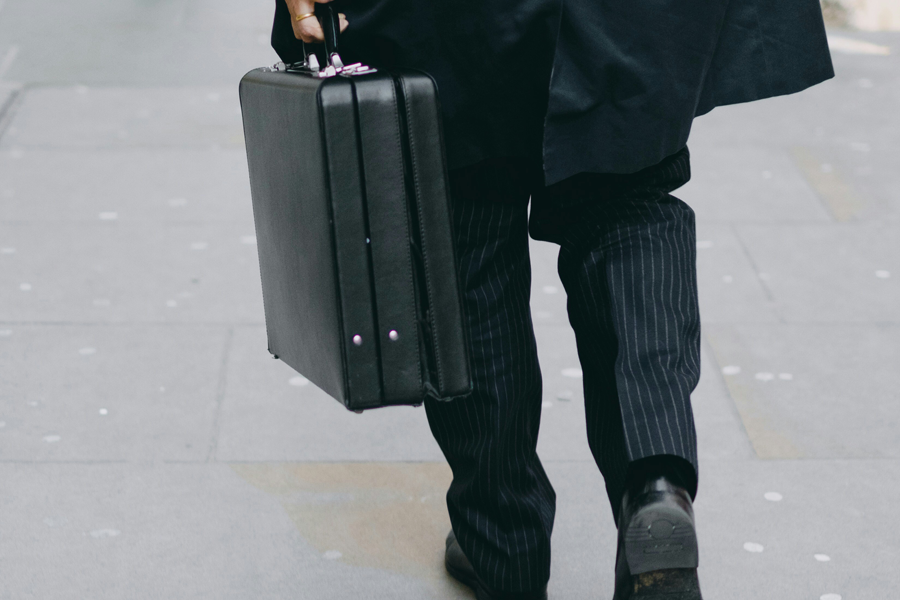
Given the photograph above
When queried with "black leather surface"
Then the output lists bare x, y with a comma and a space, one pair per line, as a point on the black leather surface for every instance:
386, 200
334, 163
296, 247
341, 145
429, 181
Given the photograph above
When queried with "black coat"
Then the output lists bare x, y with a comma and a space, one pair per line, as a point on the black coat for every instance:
606, 86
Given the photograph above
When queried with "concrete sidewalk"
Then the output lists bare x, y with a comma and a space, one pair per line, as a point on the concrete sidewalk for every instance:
151, 448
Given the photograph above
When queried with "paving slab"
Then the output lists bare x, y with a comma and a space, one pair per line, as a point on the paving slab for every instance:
748, 182
731, 286
82, 117
166, 531
869, 169
130, 41
807, 541
817, 391
829, 273
122, 393
826, 535
8, 91
548, 297
288, 530
721, 434
109, 271
831, 183
563, 430
216, 473
138, 185
269, 413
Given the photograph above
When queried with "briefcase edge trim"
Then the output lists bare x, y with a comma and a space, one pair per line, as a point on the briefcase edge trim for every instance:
441, 393
369, 391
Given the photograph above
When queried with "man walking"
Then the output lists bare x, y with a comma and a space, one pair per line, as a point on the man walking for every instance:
583, 109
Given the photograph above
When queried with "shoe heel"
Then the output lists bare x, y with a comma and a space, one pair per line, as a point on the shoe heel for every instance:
668, 584
660, 538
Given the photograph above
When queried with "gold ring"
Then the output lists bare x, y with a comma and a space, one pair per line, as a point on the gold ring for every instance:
306, 16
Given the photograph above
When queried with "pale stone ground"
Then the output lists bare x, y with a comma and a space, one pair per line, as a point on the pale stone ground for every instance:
150, 448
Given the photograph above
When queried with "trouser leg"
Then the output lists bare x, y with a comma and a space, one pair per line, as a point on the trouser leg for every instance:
501, 503
629, 270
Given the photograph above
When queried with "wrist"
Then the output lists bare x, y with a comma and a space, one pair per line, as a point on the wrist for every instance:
300, 7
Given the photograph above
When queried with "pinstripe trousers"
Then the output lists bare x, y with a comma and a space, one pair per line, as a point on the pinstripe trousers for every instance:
628, 263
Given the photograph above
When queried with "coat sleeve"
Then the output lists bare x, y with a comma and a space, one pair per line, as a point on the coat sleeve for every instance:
288, 47
767, 48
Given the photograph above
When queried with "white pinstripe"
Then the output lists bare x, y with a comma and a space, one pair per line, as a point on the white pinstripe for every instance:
620, 265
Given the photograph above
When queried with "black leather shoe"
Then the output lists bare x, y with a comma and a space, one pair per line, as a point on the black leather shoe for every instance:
461, 570
657, 554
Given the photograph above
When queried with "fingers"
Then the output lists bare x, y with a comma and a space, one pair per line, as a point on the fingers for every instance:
308, 29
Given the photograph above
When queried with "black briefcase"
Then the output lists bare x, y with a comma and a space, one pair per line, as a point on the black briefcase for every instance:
349, 186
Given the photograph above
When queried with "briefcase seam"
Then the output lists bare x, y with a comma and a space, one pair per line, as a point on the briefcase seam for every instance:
349, 396
425, 260
407, 256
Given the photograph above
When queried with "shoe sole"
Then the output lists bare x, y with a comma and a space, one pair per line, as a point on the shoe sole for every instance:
660, 538
667, 584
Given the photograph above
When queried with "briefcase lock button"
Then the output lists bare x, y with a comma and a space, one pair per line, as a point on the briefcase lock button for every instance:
394, 335
357, 339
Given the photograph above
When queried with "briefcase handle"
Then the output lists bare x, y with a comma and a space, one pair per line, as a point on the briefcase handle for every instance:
331, 27
330, 21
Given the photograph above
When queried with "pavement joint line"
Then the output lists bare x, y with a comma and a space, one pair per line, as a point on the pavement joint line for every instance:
709, 351
842, 202
8, 109
769, 438
220, 396
756, 269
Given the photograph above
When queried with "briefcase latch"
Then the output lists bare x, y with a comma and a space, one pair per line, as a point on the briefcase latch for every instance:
310, 66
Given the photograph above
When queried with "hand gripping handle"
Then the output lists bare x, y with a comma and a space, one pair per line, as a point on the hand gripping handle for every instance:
330, 21
331, 27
